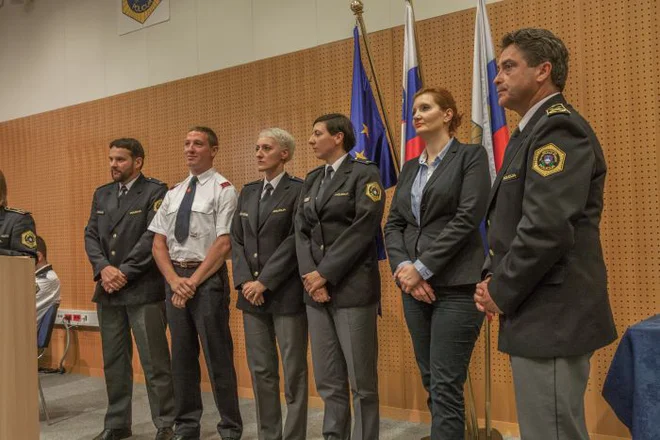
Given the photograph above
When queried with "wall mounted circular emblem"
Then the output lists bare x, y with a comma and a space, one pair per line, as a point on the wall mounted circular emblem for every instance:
139, 10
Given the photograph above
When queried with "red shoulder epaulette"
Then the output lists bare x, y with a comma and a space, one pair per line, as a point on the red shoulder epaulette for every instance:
225, 184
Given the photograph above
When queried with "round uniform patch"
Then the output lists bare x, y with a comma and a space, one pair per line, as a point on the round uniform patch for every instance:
548, 160
373, 191
29, 240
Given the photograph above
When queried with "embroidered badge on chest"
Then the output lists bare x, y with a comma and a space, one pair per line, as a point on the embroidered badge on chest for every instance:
548, 160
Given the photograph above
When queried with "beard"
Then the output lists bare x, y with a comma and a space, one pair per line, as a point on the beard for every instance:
120, 176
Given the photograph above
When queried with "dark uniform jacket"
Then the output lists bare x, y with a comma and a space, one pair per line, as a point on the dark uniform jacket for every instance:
543, 219
118, 236
339, 238
453, 204
264, 249
17, 233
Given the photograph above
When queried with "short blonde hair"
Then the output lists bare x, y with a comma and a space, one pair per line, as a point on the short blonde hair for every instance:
282, 137
3, 190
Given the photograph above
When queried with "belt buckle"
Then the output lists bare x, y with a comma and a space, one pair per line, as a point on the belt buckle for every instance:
183, 264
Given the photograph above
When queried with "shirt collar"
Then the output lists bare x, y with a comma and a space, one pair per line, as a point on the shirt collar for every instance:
273, 182
424, 156
335, 166
129, 184
46, 268
205, 176
525, 119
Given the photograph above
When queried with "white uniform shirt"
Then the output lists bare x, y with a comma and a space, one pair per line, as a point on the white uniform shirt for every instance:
212, 210
49, 290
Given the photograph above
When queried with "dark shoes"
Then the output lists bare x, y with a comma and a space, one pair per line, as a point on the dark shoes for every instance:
184, 437
114, 434
165, 434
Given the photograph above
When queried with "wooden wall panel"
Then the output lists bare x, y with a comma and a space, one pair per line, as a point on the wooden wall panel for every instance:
55, 160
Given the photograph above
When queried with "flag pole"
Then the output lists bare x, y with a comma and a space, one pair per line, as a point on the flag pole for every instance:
358, 8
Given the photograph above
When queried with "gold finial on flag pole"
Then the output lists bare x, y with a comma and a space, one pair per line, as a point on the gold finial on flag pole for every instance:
358, 8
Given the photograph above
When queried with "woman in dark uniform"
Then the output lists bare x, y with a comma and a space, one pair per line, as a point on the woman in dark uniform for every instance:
339, 214
436, 253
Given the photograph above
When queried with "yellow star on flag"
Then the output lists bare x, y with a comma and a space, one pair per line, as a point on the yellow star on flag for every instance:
365, 130
360, 155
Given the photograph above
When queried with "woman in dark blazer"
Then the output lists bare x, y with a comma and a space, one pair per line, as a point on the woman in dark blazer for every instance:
436, 253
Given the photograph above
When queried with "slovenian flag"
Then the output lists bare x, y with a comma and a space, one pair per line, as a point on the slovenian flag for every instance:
411, 144
488, 120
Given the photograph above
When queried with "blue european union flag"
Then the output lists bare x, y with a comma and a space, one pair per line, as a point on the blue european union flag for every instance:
371, 139
372, 143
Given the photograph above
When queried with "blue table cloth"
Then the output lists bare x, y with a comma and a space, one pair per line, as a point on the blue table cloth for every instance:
632, 386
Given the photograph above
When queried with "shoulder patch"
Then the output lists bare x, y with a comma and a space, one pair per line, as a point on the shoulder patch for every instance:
548, 160
225, 184
29, 240
157, 204
374, 192
557, 109
16, 210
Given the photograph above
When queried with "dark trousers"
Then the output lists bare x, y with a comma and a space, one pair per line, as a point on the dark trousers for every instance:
204, 319
443, 336
290, 332
148, 324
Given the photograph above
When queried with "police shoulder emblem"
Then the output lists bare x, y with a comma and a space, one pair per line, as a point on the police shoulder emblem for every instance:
373, 191
29, 240
557, 109
548, 160
157, 204
139, 10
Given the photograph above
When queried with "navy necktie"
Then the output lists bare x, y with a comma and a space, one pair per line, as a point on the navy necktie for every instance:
122, 192
182, 225
324, 184
264, 200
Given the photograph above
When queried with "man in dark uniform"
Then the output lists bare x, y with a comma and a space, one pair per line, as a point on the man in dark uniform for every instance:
546, 274
17, 232
338, 219
270, 290
130, 291
190, 247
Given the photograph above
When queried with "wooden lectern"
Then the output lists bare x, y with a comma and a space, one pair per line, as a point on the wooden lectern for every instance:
19, 407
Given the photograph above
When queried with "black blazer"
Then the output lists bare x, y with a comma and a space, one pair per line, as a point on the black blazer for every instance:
119, 237
264, 249
453, 204
339, 238
548, 272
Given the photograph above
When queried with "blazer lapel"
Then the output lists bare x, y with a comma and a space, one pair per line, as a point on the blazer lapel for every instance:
253, 206
340, 177
127, 201
275, 198
515, 142
444, 163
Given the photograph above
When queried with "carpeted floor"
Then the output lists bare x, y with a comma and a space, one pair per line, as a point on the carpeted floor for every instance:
77, 405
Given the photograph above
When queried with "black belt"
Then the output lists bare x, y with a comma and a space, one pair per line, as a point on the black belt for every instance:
186, 264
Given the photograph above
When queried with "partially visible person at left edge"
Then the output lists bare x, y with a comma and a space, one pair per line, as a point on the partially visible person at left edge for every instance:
17, 231
130, 291
48, 283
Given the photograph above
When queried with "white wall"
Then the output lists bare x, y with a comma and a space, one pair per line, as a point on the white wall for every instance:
56, 53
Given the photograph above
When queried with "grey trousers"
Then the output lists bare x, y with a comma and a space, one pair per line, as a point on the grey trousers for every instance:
345, 351
148, 324
550, 397
262, 330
